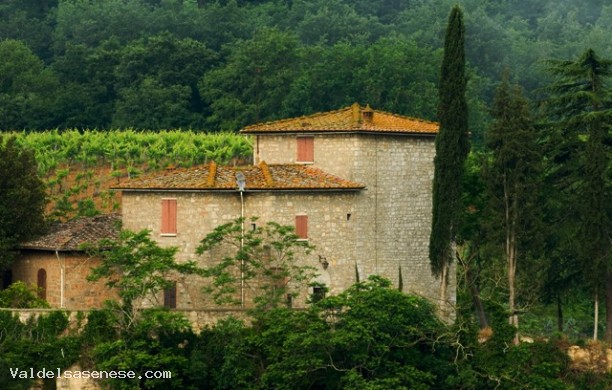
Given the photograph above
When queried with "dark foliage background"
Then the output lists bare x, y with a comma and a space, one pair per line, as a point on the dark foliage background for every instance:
219, 65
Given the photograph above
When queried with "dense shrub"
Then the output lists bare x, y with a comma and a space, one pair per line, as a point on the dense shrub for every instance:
21, 296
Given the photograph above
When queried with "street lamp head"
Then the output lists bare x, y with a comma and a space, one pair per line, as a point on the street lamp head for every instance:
241, 181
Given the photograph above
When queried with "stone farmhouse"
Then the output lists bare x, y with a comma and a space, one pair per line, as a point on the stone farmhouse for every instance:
58, 266
355, 182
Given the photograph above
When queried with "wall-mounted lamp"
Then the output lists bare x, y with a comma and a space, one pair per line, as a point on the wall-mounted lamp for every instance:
323, 261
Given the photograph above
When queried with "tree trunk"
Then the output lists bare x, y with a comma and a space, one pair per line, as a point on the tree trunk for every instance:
609, 307
475, 293
443, 291
596, 319
559, 314
511, 256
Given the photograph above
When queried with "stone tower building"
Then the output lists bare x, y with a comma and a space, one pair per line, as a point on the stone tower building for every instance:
356, 182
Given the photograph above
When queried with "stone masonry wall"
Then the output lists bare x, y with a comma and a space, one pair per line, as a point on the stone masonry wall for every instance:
378, 230
396, 205
78, 292
198, 213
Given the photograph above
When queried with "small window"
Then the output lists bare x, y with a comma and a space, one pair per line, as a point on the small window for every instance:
301, 226
41, 283
278, 284
305, 149
170, 297
168, 222
318, 293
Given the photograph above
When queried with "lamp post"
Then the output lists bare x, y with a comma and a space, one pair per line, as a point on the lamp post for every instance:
241, 181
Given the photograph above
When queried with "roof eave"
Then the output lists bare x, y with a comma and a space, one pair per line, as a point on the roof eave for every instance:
323, 131
49, 249
263, 189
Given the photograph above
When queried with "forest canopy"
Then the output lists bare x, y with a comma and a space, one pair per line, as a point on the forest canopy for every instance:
219, 65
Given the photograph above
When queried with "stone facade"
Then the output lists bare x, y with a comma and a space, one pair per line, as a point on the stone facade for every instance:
57, 263
66, 278
198, 213
381, 228
392, 216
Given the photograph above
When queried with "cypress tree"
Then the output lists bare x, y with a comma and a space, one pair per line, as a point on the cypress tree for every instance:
452, 147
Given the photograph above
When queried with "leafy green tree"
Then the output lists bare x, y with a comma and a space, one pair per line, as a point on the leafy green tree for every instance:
34, 344
471, 239
150, 105
138, 269
156, 79
20, 295
581, 104
332, 21
23, 198
161, 341
91, 22
86, 97
399, 77
452, 147
26, 100
261, 261
371, 336
512, 175
250, 87
327, 79
30, 22
227, 22
385, 10
383, 338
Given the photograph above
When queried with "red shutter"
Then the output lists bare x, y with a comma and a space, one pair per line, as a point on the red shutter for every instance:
168, 223
301, 226
305, 149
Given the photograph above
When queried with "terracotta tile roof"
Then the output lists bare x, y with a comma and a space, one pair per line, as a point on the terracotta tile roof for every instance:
68, 236
262, 177
354, 118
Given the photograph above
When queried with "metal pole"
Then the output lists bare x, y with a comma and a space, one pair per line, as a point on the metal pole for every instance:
241, 248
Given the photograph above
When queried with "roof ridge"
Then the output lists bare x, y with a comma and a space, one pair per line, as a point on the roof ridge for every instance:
212, 173
413, 118
313, 115
353, 118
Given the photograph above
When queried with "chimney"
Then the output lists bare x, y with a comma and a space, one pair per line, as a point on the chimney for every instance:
368, 114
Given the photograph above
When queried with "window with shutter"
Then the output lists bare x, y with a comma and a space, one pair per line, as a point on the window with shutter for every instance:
170, 297
305, 149
168, 222
301, 226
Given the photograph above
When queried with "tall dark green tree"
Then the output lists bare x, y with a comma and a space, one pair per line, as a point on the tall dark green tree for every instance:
452, 147
581, 105
512, 174
22, 198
